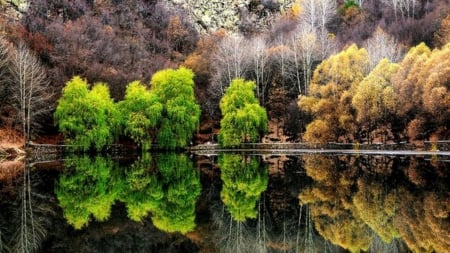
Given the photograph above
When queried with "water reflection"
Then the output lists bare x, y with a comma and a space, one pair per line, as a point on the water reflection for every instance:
234, 203
87, 188
368, 203
243, 182
244, 179
167, 187
181, 184
23, 225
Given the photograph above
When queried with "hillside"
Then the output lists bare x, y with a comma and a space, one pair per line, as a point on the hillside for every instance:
283, 46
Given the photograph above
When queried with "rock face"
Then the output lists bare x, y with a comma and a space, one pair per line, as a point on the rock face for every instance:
233, 15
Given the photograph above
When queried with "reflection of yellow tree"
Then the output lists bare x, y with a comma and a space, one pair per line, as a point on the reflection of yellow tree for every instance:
243, 182
86, 190
377, 208
329, 200
423, 218
423, 221
181, 184
418, 216
379, 212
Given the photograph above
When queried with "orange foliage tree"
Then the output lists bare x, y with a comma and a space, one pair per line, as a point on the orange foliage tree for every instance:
421, 85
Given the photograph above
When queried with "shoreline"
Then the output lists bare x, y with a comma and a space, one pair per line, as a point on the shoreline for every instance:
406, 148
212, 152
428, 148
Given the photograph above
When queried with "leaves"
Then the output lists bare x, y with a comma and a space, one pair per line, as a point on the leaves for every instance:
87, 118
142, 112
243, 182
180, 113
333, 85
243, 118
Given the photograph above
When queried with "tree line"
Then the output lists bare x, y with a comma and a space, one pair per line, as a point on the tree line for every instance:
117, 42
165, 114
349, 101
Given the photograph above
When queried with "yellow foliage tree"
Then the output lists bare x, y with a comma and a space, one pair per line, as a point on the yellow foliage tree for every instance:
405, 83
332, 87
374, 97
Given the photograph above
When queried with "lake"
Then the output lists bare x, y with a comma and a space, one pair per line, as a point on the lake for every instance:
230, 202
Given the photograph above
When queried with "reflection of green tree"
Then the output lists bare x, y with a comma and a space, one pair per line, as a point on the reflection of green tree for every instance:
142, 192
93, 186
243, 182
181, 184
88, 189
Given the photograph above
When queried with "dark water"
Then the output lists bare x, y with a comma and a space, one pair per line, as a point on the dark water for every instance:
226, 203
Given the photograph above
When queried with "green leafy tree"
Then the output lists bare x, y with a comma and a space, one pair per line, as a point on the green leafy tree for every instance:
87, 118
243, 182
88, 189
243, 118
141, 112
180, 112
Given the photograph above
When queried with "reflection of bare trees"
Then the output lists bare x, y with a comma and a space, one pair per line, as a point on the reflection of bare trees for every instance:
378, 245
30, 232
279, 226
239, 236
22, 223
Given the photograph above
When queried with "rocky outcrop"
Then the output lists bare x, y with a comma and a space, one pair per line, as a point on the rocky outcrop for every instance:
14, 8
232, 15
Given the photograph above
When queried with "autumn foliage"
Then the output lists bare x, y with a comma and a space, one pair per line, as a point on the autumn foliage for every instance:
404, 101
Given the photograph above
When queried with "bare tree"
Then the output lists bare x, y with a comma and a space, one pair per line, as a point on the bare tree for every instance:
382, 45
231, 58
407, 8
360, 3
306, 49
4, 59
259, 62
31, 91
316, 14
229, 61
281, 56
295, 63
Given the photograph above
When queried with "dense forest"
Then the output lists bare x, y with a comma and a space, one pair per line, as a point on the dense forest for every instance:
323, 71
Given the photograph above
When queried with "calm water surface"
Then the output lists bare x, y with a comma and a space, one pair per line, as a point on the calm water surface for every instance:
226, 203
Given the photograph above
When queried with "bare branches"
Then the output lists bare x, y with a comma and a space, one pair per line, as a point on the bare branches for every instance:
31, 92
382, 45
230, 61
4, 72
